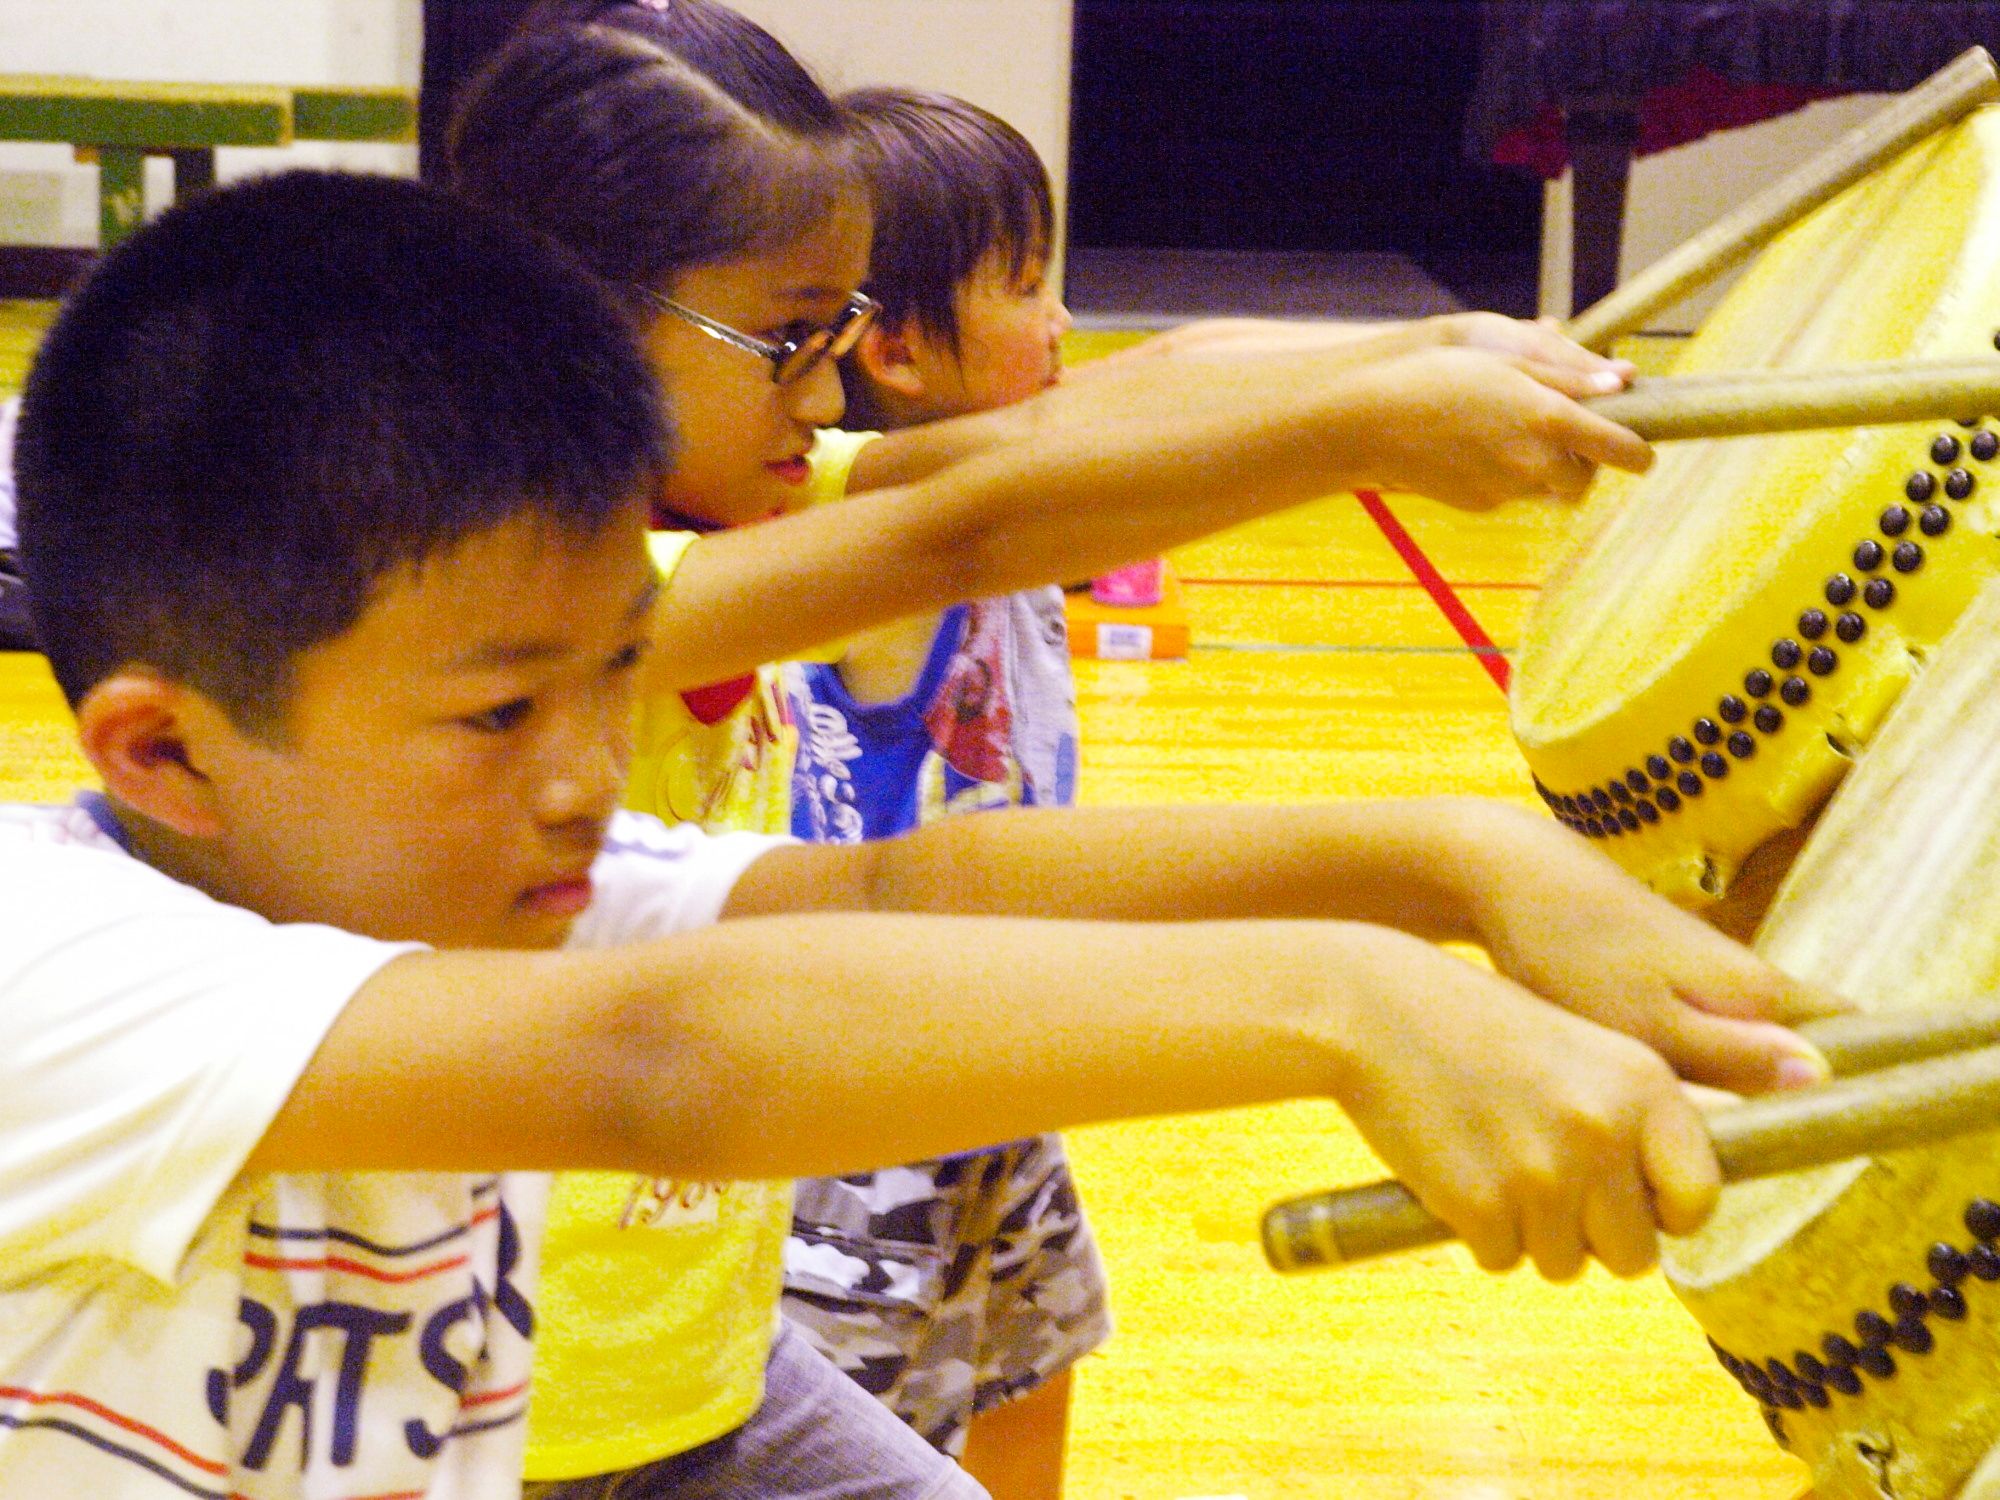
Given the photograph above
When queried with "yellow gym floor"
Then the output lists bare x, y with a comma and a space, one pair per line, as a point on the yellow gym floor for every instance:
1320, 669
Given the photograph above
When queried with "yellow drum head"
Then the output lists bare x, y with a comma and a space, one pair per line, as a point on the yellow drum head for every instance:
1731, 625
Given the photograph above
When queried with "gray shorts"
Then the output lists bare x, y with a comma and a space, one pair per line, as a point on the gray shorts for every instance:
948, 1287
815, 1436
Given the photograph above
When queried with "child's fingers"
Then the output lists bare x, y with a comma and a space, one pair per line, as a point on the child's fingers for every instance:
1552, 1228
1679, 1166
1735, 982
1618, 1222
1577, 383
1600, 440
1744, 1057
1567, 476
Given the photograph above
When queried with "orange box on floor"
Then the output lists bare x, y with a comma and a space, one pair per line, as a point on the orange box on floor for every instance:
1106, 633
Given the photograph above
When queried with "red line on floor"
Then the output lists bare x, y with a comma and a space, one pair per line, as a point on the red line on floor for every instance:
1346, 583
1449, 604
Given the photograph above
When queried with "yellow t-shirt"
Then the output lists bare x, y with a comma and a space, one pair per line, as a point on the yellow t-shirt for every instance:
658, 1297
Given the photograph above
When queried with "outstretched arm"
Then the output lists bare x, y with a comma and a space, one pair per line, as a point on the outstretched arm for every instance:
1172, 459
817, 1044
1554, 914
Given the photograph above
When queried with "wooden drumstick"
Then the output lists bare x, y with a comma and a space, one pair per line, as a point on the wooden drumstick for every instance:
1910, 1104
1707, 406
1946, 96
1867, 1041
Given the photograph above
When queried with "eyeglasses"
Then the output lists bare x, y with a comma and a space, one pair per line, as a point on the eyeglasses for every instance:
797, 353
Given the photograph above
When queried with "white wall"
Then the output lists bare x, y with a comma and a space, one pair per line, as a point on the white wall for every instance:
1676, 194
1012, 56
1009, 56
46, 199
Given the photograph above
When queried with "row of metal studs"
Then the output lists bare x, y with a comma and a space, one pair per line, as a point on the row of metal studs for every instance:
1641, 797
1842, 1362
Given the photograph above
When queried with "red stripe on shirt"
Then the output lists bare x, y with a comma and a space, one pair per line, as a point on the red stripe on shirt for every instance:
487, 1398
342, 1263
124, 1423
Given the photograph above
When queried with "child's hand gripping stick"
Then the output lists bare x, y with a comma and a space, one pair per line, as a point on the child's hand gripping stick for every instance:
1912, 1078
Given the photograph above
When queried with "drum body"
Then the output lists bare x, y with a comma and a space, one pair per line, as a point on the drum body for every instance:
1860, 1304
1732, 625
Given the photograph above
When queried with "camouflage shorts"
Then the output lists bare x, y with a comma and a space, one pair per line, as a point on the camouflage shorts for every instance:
948, 1287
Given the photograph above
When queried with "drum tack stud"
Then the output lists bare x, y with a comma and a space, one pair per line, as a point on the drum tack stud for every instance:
1637, 780
1984, 446
1812, 624
1948, 1302
1908, 557
1658, 768
1850, 628
1668, 798
1742, 746
1680, 749
1907, 1301
1948, 1264
1757, 683
1880, 593
1796, 692
1959, 483
1689, 783
1896, 519
1982, 1219
1944, 448
1821, 660
1714, 766
1839, 590
1786, 655
1769, 719
1868, 556
1706, 731
1921, 485
1732, 709
1935, 521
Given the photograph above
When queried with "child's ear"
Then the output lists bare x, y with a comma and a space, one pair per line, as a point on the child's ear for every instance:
888, 358
134, 728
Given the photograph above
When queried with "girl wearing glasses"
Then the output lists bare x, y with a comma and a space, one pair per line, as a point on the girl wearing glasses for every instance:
691, 163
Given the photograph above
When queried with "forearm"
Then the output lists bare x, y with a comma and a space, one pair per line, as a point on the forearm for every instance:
1131, 383
806, 1045
1419, 866
901, 1038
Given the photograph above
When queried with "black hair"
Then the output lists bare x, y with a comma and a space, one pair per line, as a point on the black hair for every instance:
274, 395
728, 48
952, 185
633, 155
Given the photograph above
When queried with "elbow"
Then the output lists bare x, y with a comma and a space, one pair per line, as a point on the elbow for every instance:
664, 1088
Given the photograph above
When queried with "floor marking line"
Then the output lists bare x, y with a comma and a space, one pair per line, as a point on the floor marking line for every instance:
1346, 583
1449, 604
1336, 648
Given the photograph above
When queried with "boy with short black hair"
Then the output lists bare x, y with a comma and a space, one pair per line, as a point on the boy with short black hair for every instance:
333, 505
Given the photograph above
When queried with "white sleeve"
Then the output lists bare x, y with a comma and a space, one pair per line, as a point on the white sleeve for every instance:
10, 411
653, 879
152, 1035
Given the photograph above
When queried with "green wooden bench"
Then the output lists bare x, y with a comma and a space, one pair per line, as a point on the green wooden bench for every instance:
122, 123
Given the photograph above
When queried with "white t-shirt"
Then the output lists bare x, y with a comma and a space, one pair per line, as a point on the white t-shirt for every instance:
169, 1328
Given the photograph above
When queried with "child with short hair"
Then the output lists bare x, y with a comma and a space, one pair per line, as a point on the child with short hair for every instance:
333, 500
960, 1291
